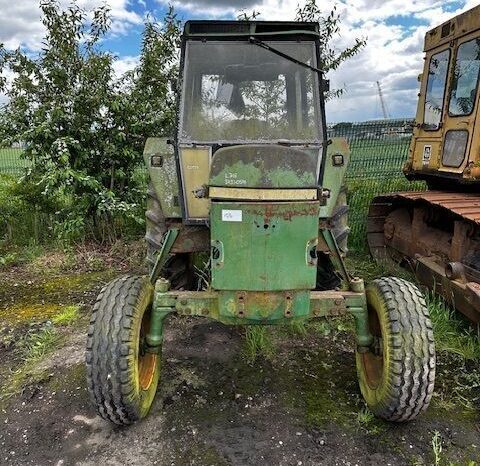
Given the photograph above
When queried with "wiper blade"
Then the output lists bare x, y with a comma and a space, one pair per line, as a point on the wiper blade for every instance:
264, 45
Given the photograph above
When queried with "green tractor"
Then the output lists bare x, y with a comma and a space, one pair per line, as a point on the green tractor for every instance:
252, 188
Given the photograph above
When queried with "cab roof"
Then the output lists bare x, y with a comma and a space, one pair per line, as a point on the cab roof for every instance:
232, 29
452, 29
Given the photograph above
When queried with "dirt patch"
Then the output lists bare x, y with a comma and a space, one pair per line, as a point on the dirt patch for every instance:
298, 405
212, 408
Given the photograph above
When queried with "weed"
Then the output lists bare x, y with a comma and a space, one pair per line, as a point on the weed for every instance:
298, 328
365, 416
67, 316
323, 327
362, 265
34, 346
367, 421
8, 259
333, 326
15, 255
38, 344
437, 448
258, 342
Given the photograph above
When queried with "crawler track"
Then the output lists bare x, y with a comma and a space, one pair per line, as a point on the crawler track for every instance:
437, 234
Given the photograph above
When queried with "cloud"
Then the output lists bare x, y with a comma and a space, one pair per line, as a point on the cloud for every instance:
124, 64
21, 25
235, 4
212, 8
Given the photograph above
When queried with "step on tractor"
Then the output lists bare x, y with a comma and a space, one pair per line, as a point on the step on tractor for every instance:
246, 225
436, 233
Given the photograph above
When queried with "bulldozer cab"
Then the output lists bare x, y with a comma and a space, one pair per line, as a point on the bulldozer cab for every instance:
445, 149
255, 86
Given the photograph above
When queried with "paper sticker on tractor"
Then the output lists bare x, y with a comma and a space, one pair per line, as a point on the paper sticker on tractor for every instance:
276, 242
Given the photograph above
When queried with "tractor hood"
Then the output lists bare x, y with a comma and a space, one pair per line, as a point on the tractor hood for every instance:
265, 166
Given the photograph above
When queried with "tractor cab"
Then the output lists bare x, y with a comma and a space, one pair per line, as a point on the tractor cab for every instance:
250, 141
251, 109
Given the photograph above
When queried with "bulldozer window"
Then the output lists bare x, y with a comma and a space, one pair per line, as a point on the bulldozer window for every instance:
435, 96
236, 91
465, 78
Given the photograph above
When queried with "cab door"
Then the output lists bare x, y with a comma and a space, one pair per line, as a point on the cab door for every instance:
462, 103
427, 141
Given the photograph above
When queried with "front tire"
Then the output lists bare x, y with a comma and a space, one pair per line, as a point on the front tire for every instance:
397, 375
122, 377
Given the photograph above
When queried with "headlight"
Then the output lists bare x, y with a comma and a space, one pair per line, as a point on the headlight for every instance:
454, 148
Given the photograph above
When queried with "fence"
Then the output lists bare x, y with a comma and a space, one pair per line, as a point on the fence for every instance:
11, 161
378, 152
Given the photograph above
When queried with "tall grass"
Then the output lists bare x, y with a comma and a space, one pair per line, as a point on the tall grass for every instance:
258, 343
453, 334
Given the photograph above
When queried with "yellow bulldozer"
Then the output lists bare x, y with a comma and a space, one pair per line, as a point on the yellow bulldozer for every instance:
437, 232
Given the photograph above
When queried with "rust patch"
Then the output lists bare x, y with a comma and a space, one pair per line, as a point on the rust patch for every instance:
466, 205
428, 231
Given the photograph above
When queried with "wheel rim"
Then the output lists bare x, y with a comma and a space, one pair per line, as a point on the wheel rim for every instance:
373, 360
147, 362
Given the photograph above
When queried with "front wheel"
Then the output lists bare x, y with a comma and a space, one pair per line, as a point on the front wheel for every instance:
397, 375
122, 377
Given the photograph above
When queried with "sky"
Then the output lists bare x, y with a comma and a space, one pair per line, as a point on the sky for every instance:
394, 30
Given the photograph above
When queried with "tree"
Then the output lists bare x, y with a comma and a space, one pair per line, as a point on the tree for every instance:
329, 28
152, 85
83, 129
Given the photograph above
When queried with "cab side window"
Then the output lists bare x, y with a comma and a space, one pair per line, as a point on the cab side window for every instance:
436, 83
465, 78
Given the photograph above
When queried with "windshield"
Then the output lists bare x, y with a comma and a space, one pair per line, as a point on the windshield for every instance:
237, 91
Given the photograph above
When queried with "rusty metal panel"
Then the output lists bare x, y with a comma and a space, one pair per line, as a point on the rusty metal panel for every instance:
465, 205
264, 246
254, 194
195, 166
265, 166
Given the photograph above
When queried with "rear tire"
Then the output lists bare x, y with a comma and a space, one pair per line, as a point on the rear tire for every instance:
327, 279
122, 377
176, 268
339, 221
156, 226
397, 376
